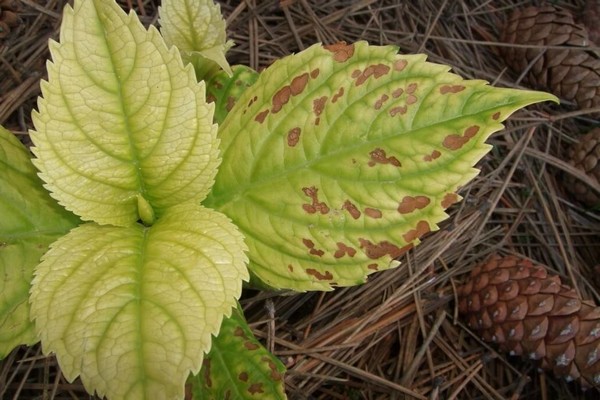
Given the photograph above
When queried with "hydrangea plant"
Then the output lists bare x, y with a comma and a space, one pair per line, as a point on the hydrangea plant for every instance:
170, 178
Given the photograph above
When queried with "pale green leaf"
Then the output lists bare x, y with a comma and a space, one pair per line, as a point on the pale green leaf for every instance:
132, 309
225, 90
196, 27
238, 366
339, 158
30, 221
120, 118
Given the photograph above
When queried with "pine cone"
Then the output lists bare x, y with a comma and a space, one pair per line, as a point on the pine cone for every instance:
528, 312
585, 155
571, 73
8, 17
591, 16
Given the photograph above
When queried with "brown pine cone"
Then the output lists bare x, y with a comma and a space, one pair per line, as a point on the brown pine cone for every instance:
591, 18
8, 16
585, 155
528, 312
571, 73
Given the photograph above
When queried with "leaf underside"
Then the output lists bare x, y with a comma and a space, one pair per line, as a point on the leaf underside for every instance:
120, 118
30, 221
132, 309
339, 158
238, 366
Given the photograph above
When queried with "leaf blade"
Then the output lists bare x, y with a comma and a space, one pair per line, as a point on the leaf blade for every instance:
371, 147
238, 366
196, 28
30, 221
138, 305
120, 117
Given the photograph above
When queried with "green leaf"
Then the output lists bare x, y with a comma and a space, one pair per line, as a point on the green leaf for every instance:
30, 221
121, 117
339, 158
238, 366
225, 90
132, 309
196, 28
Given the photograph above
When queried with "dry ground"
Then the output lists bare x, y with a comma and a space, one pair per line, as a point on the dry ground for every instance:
398, 336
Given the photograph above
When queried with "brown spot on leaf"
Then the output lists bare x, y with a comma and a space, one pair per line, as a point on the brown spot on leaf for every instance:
283, 95
314, 73
399, 65
275, 375
260, 117
373, 267
210, 98
378, 250
290, 268
218, 84
319, 105
398, 110
327, 276
410, 204
206, 369
293, 136
308, 243
243, 377
378, 156
337, 95
411, 99
298, 84
411, 88
356, 73
449, 199
250, 345
451, 89
311, 246
496, 115
379, 103
375, 71
397, 93
316, 252
230, 103
455, 142
256, 388
433, 156
316, 205
341, 51
239, 332
252, 100
352, 209
373, 213
421, 229
343, 250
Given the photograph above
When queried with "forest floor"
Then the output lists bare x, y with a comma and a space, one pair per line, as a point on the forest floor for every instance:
399, 335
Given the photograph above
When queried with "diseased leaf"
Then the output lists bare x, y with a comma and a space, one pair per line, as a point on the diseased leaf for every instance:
238, 366
197, 29
340, 158
30, 221
225, 90
132, 309
120, 118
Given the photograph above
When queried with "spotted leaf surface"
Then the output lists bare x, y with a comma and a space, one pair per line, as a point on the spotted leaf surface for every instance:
225, 90
121, 120
238, 366
30, 221
341, 157
196, 28
132, 309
